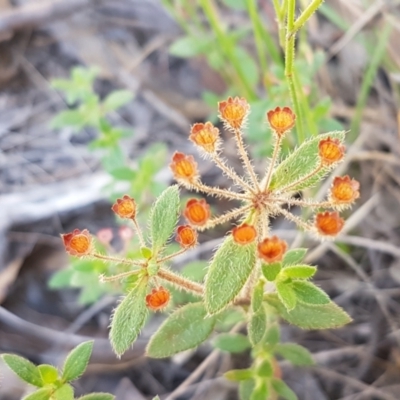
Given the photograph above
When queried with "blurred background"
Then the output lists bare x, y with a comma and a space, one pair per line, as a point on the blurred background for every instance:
95, 96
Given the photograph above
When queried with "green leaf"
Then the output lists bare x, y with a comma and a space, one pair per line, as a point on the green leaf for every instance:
164, 217
61, 279
185, 329
128, 319
246, 388
238, 375
123, 173
229, 270
286, 294
97, 396
48, 373
308, 293
271, 271
261, 391
257, 296
117, 99
272, 336
68, 118
189, 46
156, 398
40, 394
231, 342
283, 390
326, 316
76, 362
294, 256
65, 392
300, 163
26, 370
265, 369
296, 354
299, 271
257, 326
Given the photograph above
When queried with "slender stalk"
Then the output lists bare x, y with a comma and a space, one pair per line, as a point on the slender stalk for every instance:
303, 203
305, 15
224, 218
303, 179
245, 159
275, 154
297, 220
118, 260
200, 187
139, 233
117, 277
231, 173
166, 258
227, 46
180, 281
289, 65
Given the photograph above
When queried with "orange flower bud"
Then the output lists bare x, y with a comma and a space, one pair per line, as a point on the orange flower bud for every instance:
234, 111
344, 190
186, 236
281, 120
125, 207
77, 243
331, 151
329, 223
158, 299
205, 136
244, 234
272, 249
197, 212
184, 167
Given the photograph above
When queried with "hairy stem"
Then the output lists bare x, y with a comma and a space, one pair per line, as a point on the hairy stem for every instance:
118, 260
297, 220
228, 194
180, 281
267, 179
303, 179
170, 256
139, 233
305, 15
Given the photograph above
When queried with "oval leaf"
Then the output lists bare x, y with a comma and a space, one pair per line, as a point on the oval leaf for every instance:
257, 326
48, 372
261, 391
257, 296
299, 271
283, 390
238, 375
97, 396
40, 394
296, 354
164, 217
271, 271
65, 392
307, 292
294, 256
117, 99
128, 319
302, 162
326, 316
286, 294
246, 388
229, 270
231, 342
77, 361
27, 371
185, 329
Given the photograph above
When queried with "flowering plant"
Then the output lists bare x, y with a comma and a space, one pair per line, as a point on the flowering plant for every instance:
252, 269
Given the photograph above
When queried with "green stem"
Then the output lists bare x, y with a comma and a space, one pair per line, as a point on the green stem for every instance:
305, 15
289, 63
227, 46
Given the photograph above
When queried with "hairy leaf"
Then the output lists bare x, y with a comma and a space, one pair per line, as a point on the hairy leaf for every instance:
77, 361
299, 271
185, 329
307, 292
326, 316
294, 256
48, 372
27, 371
271, 271
257, 326
40, 394
286, 294
296, 354
265, 369
229, 270
257, 297
283, 390
231, 342
128, 319
97, 396
65, 392
300, 163
164, 217
238, 375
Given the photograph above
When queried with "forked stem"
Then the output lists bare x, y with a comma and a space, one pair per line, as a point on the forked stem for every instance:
118, 260
112, 278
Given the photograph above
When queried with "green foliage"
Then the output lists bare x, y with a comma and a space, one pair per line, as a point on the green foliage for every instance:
261, 390
48, 372
97, 396
231, 342
40, 394
27, 371
238, 375
300, 163
185, 329
286, 294
164, 217
64, 392
296, 354
283, 390
228, 272
77, 361
246, 389
257, 296
308, 293
293, 256
257, 326
324, 316
271, 271
128, 319
299, 271
265, 369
